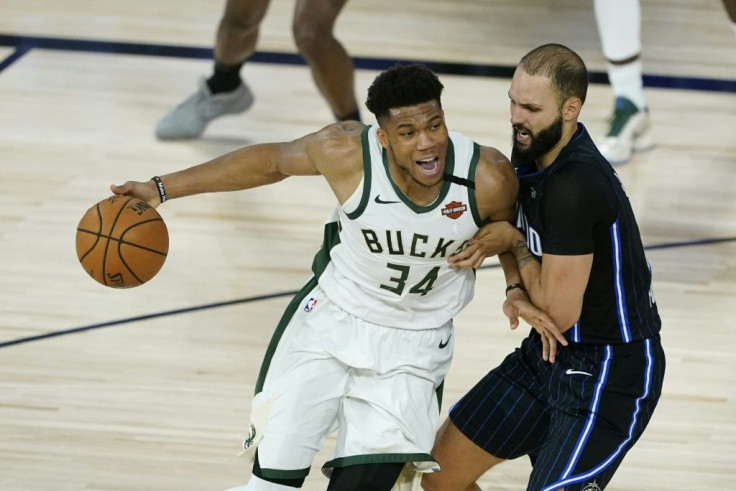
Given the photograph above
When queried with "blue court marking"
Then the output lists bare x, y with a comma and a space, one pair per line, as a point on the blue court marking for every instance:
365, 63
128, 320
228, 303
13, 57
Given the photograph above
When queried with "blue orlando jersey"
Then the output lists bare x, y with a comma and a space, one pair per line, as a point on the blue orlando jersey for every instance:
578, 206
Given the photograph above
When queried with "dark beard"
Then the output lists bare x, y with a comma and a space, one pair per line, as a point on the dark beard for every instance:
542, 143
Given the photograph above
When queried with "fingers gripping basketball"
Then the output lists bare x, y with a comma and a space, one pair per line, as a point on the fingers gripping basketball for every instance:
122, 242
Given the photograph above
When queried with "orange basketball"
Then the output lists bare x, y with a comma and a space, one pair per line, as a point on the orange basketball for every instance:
122, 242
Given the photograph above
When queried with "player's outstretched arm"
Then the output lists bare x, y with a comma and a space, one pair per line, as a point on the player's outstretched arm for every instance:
251, 166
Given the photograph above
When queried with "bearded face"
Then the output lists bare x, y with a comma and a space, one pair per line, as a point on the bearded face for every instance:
529, 146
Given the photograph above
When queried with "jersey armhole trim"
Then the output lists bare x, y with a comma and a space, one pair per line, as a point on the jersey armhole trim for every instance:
366, 176
471, 192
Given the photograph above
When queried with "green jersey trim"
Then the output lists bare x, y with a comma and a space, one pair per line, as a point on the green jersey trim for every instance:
330, 238
380, 458
471, 192
285, 474
280, 328
319, 264
366, 175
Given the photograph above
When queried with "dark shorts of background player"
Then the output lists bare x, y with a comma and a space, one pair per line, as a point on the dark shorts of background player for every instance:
575, 419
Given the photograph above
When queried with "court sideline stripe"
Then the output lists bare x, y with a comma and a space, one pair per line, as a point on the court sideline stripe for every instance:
366, 63
228, 303
13, 57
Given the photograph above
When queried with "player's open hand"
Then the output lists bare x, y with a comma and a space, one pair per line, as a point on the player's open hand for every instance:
143, 190
490, 240
517, 305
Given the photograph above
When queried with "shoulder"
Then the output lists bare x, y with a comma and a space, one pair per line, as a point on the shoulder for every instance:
582, 185
337, 144
494, 171
579, 173
345, 133
496, 184
336, 152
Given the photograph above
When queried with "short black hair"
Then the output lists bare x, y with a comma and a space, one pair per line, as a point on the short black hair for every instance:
562, 66
402, 86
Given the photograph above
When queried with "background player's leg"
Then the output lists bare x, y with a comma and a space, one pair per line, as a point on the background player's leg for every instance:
619, 28
224, 92
731, 10
332, 68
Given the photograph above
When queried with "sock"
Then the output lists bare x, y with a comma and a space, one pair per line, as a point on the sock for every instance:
619, 28
225, 78
350, 117
626, 82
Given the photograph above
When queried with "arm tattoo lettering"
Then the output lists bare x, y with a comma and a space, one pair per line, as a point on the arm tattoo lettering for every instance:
522, 254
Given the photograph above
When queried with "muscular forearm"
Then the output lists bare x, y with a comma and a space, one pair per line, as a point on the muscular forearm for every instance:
560, 300
510, 268
529, 268
241, 169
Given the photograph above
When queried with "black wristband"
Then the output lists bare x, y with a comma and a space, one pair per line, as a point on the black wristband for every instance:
514, 286
160, 187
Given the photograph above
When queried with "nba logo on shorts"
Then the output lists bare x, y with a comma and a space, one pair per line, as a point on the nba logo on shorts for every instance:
310, 305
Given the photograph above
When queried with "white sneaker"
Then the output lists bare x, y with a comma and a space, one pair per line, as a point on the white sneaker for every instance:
190, 118
630, 131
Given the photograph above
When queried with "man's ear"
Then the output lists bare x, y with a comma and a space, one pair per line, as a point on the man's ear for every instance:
382, 138
571, 109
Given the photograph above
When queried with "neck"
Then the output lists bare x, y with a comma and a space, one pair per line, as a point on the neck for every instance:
568, 131
418, 193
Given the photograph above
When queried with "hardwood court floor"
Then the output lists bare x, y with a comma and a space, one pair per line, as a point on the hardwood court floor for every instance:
149, 388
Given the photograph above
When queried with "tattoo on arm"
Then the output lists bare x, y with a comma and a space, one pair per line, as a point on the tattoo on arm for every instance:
522, 254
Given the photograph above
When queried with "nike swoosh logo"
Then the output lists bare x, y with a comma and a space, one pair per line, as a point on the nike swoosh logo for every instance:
442, 345
570, 371
383, 202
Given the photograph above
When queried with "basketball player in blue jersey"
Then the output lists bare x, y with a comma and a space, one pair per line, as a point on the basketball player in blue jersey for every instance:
364, 347
575, 408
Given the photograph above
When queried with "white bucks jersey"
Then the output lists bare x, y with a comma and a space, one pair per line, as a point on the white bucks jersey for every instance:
384, 258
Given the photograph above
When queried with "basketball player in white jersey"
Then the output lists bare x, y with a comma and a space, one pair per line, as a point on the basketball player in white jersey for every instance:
364, 347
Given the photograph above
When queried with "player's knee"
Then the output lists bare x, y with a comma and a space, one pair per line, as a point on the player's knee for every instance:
432, 481
310, 38
241, 22
429, 482
365, 477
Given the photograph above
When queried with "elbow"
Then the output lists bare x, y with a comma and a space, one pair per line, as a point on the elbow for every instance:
564, 324
563, 319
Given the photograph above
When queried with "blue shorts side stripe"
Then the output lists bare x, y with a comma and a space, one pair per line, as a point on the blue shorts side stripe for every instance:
566, 481
592, 415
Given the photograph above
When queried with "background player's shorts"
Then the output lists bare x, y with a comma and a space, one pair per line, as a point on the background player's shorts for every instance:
575, 418
327, 370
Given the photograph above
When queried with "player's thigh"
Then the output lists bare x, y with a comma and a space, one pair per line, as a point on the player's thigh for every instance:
303, 404
507, 413
605, 397
392, 402
302, 384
